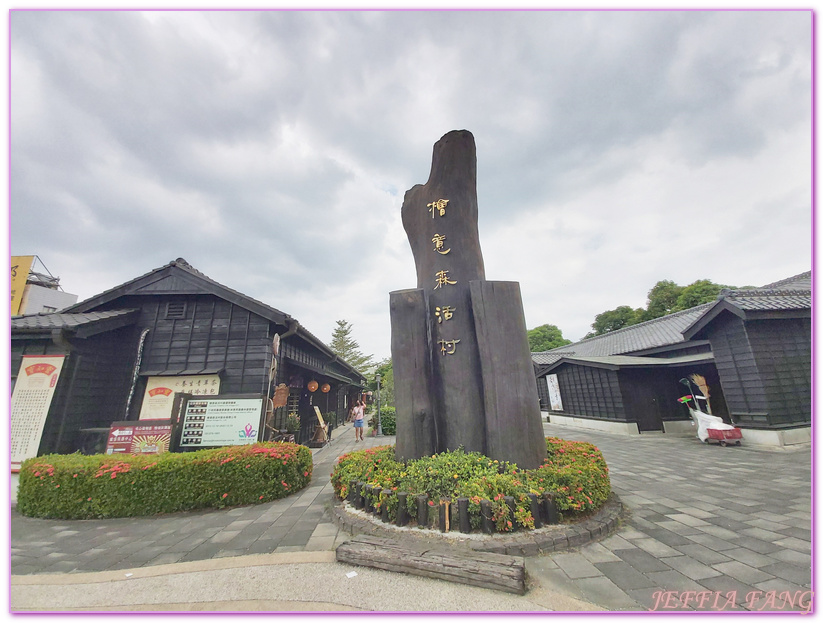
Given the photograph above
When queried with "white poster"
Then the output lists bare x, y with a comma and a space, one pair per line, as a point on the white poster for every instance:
30, 404
221, 422
160, 390
554, 392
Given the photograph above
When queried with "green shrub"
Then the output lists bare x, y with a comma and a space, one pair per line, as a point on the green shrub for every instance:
574, 472
75, 486
388, 423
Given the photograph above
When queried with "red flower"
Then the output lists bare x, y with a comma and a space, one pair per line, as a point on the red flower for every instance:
225, 495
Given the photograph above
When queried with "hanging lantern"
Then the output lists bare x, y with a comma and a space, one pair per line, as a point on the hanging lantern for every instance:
326, 388
312, 386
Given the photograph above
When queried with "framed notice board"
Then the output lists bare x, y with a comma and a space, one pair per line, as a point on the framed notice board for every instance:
211, 422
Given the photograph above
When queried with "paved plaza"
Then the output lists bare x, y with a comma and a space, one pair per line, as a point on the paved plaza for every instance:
716, 528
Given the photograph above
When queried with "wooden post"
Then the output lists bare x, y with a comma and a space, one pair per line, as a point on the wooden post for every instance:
550, 509
422, 511
402, 509
376, 498
352, 493
463, 515
514, 430
358, 500
367, 501
486, 522
384, 507
509, 500
444, 516
534, 506
415, 415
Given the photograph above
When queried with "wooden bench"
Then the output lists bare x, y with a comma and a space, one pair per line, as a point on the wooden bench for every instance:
483, 569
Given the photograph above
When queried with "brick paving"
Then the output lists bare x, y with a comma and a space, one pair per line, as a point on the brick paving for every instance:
702, 518
721, 522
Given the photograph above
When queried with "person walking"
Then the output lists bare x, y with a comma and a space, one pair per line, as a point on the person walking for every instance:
359, 413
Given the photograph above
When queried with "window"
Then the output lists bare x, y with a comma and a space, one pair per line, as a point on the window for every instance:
48, 310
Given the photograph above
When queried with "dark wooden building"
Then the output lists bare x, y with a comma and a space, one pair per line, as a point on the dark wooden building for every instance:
752, 346
175, 327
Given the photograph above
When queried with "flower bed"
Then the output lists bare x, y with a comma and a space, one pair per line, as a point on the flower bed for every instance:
574, 479
75, 486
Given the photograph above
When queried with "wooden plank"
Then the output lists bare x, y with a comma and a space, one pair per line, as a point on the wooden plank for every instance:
482, 569
416, 419
514, 431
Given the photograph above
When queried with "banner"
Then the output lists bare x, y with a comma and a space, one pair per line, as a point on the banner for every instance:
20, 267
215, 422
160, 390
554, 392
30, 404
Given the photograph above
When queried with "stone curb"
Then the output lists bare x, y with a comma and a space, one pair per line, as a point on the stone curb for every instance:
555, 538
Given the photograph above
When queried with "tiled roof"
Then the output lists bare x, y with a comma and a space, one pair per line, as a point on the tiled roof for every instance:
46, 322
793, 293
803, 281
663, 331
771, 300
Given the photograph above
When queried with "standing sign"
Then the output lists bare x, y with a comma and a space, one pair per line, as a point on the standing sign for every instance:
160, 390
151, 437
30, 404
225, 421
20, 268
554, 392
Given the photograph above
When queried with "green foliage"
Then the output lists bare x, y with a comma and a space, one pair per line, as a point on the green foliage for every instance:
615, 319
387, 420
664, 298
697, 293
386, 372
344, 345
575, 472
75, 486
546, 337
293, 423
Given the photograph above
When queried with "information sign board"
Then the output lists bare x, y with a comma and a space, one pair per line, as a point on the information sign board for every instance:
30, 402
224, 421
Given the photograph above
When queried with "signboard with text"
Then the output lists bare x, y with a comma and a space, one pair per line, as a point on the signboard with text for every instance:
30, 402
554, 392
224, 421
148, 437
159, 395
20, 268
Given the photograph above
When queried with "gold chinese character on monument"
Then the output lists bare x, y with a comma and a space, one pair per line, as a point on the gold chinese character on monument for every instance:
438, 244
442, 279
439, 206
443, 313
447, 347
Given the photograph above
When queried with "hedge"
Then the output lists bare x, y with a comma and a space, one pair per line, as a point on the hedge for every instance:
76, 486
575, 474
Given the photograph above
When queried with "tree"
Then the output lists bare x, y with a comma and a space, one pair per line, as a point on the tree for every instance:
615, 319
662, 299
386, 372
546, 337
344, 345
697, 293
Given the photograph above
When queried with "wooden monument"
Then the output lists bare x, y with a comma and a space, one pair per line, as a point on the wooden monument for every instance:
463, 373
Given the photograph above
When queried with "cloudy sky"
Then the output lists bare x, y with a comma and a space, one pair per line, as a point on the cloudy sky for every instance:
272, 149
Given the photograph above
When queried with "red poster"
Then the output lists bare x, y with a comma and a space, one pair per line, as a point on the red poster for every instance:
139, 437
